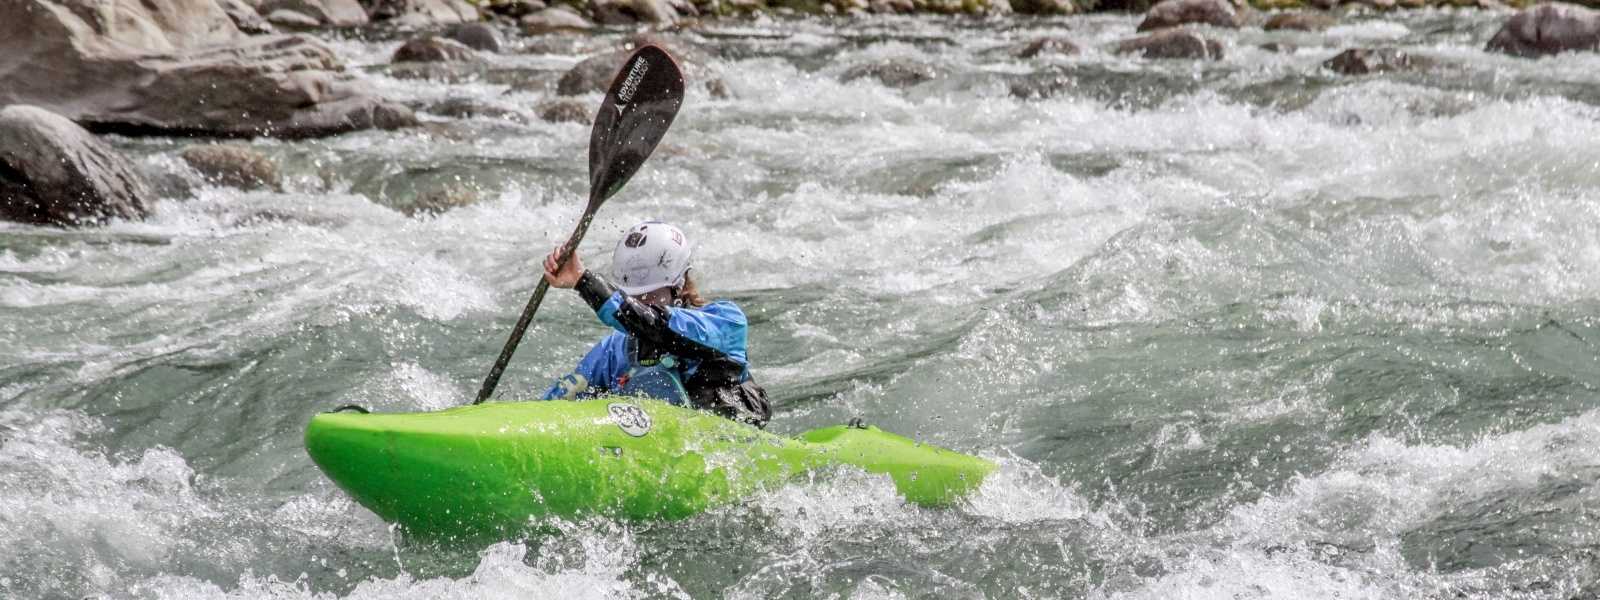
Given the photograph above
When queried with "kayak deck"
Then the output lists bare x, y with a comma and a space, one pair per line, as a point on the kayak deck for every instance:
490, 468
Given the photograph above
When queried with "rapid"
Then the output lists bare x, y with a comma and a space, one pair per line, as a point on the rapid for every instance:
1232, 329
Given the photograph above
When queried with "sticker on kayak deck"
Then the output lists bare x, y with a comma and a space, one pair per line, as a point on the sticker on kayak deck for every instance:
631, 419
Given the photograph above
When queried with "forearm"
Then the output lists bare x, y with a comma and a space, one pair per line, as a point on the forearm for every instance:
641, 320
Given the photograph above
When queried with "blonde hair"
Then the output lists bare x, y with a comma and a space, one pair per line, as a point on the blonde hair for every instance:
689, 293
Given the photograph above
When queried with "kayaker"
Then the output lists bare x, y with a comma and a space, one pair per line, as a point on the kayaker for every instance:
669, 342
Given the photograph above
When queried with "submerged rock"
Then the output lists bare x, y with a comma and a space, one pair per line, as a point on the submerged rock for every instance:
466, 108
564, 110
1173, 13
895, 72
433, 49
437, 201
1171, 43
1362, 61
184, 68
477, 36
327, 13
1299, 21
1548, 29
1049, 45
234, 165
53, 172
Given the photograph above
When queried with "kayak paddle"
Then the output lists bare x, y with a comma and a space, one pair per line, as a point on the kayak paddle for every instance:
638, 109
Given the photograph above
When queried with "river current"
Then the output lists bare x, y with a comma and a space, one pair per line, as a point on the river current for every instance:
1233, 329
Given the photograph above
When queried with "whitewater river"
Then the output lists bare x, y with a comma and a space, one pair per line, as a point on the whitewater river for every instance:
1240, 329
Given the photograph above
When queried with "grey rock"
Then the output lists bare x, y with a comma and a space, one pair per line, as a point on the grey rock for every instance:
594, 74
433, 49
477, 36
439, 200
234, 165
1548, 29
467, 108
1171, 43
686, 8
183, 69
289, 19
564, 110
1049, 45
891, 7
53, 172
421, 13
1362, 61
556, 19
1172, 13
624, 12
1045, 7
514, 9
1300, 21
245, 16
328, 13
896, 73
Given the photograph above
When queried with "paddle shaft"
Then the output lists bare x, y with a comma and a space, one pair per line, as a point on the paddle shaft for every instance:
493, 380
637, 110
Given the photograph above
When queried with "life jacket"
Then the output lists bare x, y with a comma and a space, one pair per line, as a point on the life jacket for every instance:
657, 378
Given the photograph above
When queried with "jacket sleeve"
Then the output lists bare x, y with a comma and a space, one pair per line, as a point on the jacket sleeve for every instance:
594, 374
715, 331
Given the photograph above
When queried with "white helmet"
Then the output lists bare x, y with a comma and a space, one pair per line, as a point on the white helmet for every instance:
651, 256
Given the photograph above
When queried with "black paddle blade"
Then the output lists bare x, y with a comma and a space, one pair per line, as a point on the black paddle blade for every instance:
637, 111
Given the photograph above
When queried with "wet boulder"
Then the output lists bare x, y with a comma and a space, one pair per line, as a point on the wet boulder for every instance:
1170, 44
326, 13
895, 72
53, 172
421, 13
433, 49
182, 67
1048, 46
234, 165
477, 36
564, 110
1299, 21
1548, 29
558, 19
1363, 61
1173, 13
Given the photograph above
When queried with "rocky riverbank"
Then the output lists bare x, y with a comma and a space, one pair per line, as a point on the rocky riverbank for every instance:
233, 69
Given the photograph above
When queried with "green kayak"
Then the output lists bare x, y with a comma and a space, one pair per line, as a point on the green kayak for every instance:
488, 469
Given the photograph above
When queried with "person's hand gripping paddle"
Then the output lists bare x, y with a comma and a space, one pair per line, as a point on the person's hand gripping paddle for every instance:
636, 112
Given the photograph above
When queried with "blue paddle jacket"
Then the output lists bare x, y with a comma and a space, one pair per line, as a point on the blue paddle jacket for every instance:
708, 343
